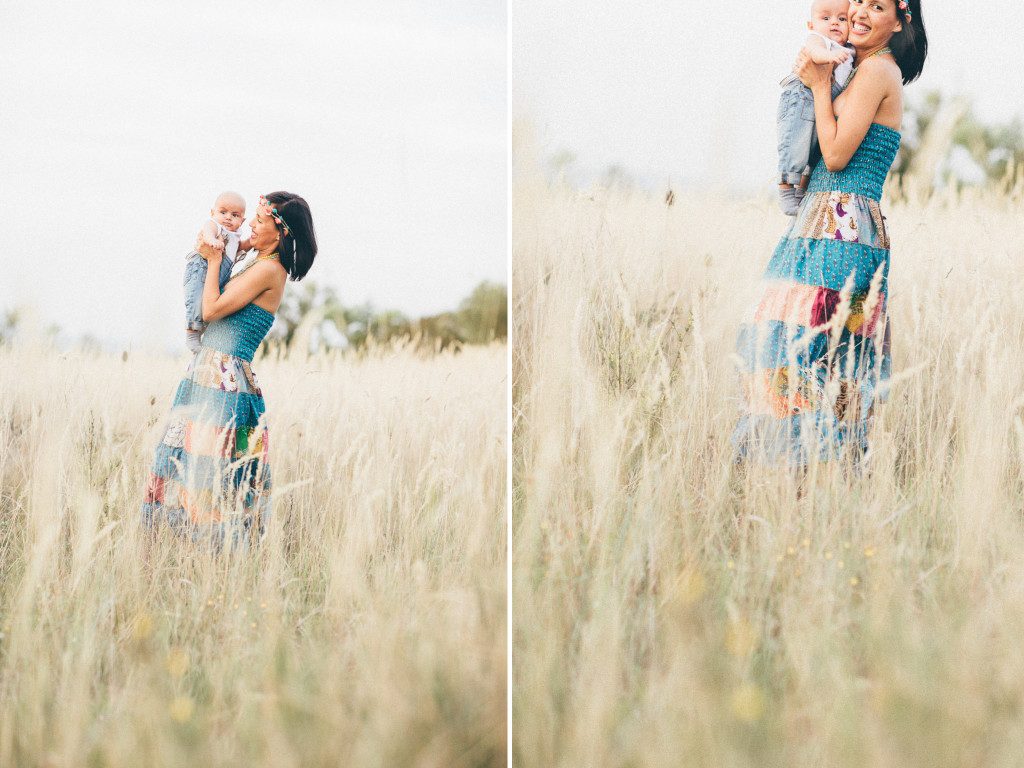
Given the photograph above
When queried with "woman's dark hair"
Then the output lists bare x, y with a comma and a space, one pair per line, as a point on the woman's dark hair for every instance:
910, 45
297, 249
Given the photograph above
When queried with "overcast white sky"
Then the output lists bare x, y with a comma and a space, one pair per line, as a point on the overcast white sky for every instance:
121, 121
686, 91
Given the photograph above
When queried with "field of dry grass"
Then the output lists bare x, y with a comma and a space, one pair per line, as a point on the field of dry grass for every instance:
668, 611
369, 630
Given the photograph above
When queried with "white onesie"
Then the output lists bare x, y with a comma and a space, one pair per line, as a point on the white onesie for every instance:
230, 240
842, 71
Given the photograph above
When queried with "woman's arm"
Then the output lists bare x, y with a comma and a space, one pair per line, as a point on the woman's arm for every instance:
839, 139
242, 290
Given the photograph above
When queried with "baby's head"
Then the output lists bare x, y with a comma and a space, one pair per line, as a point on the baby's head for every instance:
831, 18
229, 210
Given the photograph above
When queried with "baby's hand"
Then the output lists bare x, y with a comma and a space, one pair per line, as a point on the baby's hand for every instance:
202, 243
840, 55
213, 242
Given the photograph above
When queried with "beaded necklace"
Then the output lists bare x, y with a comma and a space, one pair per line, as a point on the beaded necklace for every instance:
887, 49
243, 264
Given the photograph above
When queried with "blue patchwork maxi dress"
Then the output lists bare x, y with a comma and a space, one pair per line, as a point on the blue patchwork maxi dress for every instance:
211, 476
814, 352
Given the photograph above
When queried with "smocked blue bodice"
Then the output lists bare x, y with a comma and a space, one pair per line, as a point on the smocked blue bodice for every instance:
866, 171
240, 333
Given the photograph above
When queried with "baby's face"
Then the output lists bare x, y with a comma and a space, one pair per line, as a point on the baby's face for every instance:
831, 18
228, 212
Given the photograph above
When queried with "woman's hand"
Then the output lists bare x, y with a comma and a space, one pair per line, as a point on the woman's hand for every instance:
206, 250
812, 74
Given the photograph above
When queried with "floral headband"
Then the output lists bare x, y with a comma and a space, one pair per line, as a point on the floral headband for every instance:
273, 212
906, 9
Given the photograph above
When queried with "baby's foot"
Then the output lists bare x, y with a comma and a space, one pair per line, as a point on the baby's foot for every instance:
192, 341
788, 201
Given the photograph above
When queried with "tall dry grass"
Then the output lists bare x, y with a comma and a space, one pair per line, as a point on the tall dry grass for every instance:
668, 610
369, 630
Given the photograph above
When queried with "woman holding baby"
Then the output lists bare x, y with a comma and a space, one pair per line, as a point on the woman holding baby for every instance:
815, 351
211, 477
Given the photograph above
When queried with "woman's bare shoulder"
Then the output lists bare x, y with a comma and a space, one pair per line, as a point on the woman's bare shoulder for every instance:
258, 277
882, 71
889, 78
882, 82
271, 274
263, 269
266, 282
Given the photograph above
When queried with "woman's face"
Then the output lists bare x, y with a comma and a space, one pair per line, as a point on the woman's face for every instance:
873, 22
264, 230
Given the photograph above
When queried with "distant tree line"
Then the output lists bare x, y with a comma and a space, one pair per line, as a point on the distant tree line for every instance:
943, 141
14, 320
9, 325
313, 317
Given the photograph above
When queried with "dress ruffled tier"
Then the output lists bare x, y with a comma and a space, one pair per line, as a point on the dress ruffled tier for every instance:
814, 352
211, 475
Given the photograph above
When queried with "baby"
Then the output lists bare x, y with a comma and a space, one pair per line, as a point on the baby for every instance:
221, 232
830, 29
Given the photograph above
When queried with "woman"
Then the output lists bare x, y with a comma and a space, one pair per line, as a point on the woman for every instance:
815, 354
210, 476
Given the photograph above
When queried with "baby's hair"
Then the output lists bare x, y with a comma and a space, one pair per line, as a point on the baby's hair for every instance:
298, 248
816, 3
233, 196
910, 45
